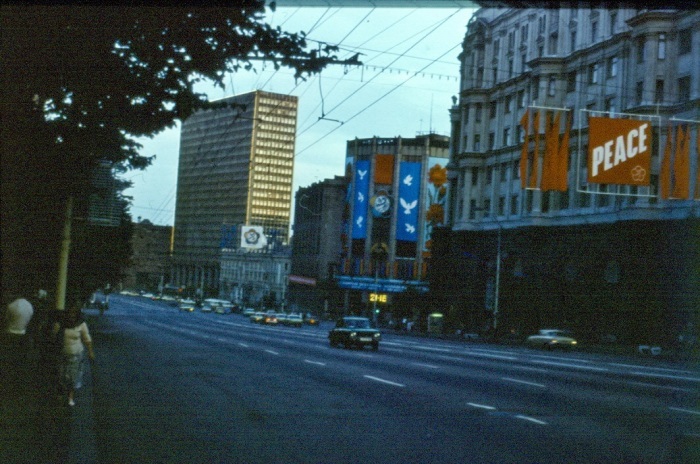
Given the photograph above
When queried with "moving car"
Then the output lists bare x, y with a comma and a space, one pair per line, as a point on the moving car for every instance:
186, 305
248, 312
257, 317
294, 320
311, 319
354, 332
270, 318
551, 339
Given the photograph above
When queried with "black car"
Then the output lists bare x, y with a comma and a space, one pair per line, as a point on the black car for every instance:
352, 331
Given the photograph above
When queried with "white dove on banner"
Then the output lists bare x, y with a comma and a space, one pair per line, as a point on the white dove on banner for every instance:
408, 206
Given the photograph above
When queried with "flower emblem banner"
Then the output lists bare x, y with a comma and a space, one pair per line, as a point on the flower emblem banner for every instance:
435, 200
409, 194
619, 151
360, 200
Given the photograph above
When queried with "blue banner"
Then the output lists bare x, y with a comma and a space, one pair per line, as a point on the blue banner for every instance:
409, 193
360, 200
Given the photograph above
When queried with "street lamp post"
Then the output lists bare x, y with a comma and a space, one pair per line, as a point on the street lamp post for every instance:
498, 280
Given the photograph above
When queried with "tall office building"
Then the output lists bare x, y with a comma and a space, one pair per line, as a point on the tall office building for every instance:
236, 167
536, 244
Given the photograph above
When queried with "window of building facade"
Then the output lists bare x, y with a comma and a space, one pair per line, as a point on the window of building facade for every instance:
639, 92
640, 43
516, 170
487, 207
683, 89
535, 88
612, 66
521, 99
472, 209
503, 172
553, 39
501, 206
475, 175
524, 29
594, 31
540, 51
541, 25
514, 204
613, 23
610, 105
684, 41
593, 71
552, 86
506, 137
480, 77
508, 108
571, 82
489, 174
659, 91
520, 133
492, 140
511, 40
661, 54
477, 142
496, 49
495, 72
477, 112
572, 40
523, 62
492, 109
511, 71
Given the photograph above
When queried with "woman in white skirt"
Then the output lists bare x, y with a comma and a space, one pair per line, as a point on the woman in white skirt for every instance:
76, 338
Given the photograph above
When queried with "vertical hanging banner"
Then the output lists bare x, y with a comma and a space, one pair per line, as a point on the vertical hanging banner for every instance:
555, 160
435, 200
674, 179
619, 151
360, 199
409, 194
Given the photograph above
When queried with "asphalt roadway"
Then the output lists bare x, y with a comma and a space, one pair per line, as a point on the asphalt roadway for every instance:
169, 386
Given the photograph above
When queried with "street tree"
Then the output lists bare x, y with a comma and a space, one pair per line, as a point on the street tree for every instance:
82, 83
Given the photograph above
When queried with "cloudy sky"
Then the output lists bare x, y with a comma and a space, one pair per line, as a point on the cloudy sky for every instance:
404, 88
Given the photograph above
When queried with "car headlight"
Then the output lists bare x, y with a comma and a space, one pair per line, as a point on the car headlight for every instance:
353, 334
377, 335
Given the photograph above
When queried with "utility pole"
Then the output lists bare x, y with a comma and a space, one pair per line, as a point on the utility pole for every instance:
62, 282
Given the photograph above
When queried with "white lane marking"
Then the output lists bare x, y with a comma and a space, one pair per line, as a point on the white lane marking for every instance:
575, 366
493, 356
531, 369
635, 366
662, 387
429, 366
559, 358
388, 382
533, 384
689, 411
663, 376
482, 406
318, 363
243, 345
272, 352
531, 419
430, 348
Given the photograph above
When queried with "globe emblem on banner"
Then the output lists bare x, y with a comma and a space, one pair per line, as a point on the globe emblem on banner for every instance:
252, 237
381, 205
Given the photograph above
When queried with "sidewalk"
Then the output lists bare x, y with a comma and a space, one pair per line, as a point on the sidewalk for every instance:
38, 426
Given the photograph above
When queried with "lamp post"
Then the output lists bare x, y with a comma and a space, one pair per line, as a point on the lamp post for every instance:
498, 280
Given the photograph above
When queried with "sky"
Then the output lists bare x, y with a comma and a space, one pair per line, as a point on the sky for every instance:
404, 88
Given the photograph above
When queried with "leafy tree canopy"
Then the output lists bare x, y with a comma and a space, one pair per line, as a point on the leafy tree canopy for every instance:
81, 82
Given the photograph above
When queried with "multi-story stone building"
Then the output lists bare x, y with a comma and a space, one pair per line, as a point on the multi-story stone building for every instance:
150, 262
610, 260
397, 194
236, 167
316, 245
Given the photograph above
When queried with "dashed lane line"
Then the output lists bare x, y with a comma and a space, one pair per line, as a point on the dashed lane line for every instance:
524, 382
272, 352
482, 406
318, 363
688, 411
530, 419
388, 382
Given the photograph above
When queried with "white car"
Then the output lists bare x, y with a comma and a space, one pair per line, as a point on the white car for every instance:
551, 339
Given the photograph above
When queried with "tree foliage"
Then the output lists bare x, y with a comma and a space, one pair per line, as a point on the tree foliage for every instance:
81, 82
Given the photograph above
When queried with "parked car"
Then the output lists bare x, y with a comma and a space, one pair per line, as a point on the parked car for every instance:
294, 320
247, 312
282, 318
257, 317
551, 339
354, 332
186, 305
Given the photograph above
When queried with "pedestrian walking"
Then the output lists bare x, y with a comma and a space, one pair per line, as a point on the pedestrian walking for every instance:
76, 340
16, 347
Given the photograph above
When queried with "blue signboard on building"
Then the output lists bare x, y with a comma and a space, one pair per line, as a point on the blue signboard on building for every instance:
360, 200
409, 194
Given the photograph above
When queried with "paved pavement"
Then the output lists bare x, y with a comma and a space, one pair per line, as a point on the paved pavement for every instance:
36, 424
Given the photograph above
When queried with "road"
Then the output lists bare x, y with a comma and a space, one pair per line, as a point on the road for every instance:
171, 386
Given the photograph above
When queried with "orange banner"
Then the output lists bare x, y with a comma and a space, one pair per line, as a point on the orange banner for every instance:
619, 151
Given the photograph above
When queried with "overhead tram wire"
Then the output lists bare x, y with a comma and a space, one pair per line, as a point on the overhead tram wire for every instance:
374, 102
440, 23
356, 49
